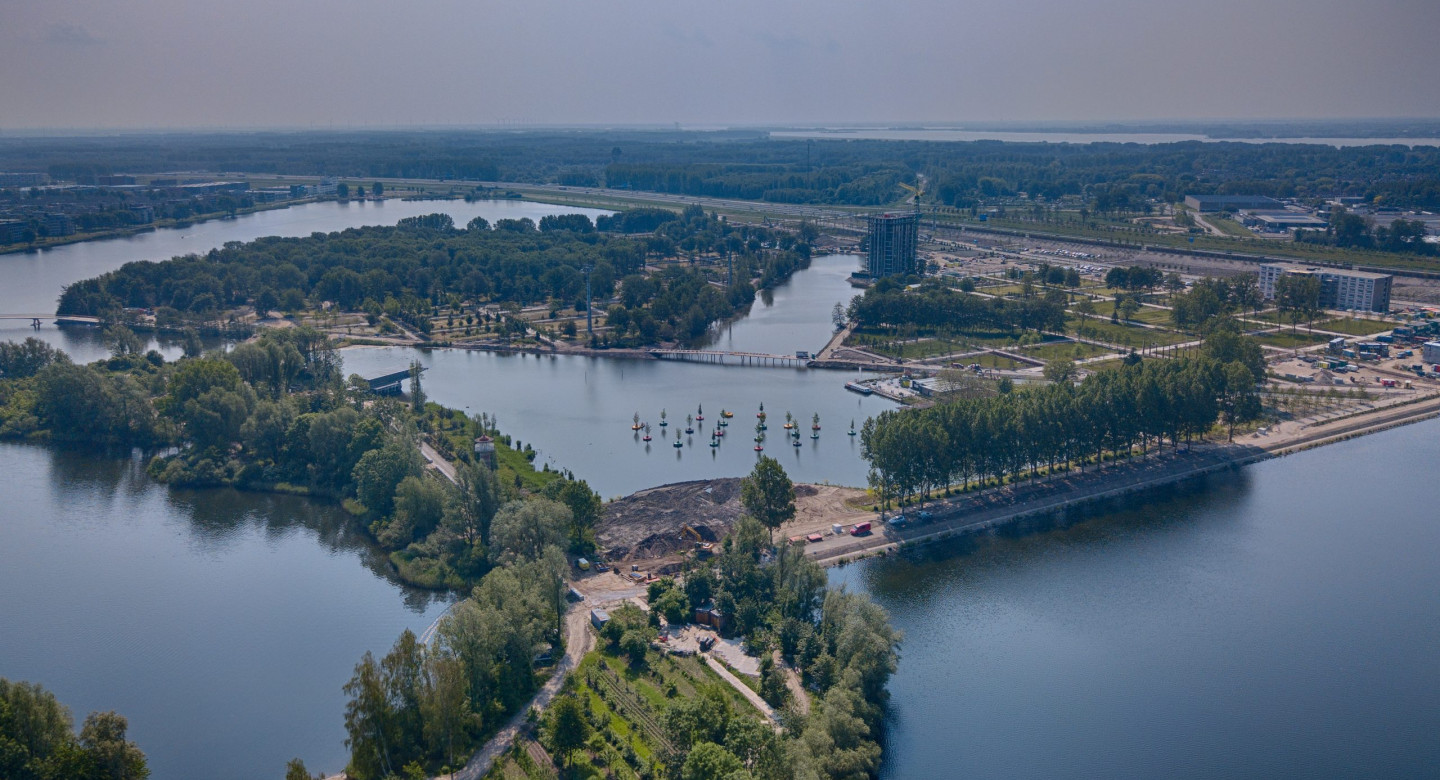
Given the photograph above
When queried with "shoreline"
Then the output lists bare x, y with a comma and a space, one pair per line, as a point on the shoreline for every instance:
990, 509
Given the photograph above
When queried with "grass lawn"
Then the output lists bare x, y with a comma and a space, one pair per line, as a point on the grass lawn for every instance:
1355, 327
1102, 329
1291, 339
991, 360
1104, 365
1153, 316
1063, 350
1271, 316
1001, 289
1230, 227
933, 346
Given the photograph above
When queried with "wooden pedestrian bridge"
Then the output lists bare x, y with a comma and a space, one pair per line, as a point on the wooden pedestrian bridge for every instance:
36, 319
741, 358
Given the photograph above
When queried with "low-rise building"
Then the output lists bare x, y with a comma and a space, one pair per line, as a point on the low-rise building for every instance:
1340, 288
58, 225
1430, 352
12, 231
22, 179
1207, 203
1283, 220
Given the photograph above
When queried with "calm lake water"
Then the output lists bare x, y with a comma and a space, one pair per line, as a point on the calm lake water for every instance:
577, 411
33, 281
951, 134
222, 624
1279, 621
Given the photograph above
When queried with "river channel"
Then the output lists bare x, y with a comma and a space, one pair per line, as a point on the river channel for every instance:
1276, 621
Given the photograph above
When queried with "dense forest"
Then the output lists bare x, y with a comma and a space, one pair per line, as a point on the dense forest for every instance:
751, 164
38, 741
275, 414
993, 438
405, 272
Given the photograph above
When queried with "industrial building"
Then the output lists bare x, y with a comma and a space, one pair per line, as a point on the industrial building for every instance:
893, 238
1208, 203
1339, 288
1283, 220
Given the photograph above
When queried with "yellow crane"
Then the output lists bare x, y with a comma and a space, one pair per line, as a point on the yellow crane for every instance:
914, 191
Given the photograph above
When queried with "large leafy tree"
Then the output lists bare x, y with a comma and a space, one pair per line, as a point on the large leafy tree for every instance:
566, 727
768, 495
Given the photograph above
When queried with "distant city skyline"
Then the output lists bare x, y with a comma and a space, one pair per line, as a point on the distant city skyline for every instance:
365, 63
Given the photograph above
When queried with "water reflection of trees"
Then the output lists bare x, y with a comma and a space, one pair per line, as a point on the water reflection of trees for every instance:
1192, 507
216, 518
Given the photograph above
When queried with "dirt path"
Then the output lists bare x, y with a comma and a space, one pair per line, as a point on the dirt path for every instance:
793, 682
578, 641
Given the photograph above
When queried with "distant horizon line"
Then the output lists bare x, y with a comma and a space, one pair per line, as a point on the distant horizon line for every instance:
1072, 125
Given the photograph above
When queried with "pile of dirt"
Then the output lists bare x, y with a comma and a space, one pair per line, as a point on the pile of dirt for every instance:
648, 524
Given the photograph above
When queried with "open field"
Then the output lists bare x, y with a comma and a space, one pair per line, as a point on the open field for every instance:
1062, 350
1153, 316
1287, 339
1355, 327
1230, 227
1123, 335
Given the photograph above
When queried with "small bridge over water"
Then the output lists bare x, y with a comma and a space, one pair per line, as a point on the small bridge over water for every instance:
35, 319
387, 381
719, 356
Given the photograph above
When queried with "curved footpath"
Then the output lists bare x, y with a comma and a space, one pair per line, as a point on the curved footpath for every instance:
988, 509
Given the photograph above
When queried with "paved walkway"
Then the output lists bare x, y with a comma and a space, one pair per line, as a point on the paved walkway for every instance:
434, 458
578, 641
745, 690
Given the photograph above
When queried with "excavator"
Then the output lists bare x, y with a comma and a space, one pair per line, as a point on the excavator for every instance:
703, 549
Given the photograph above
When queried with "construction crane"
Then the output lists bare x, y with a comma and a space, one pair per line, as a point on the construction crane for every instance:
915, 192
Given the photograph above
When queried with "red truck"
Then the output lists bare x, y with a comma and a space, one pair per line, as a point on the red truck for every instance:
860, 529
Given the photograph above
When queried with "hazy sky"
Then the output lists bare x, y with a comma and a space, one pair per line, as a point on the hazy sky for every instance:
198, 63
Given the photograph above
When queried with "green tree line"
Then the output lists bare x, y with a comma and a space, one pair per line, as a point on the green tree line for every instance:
38, 741
1004, 437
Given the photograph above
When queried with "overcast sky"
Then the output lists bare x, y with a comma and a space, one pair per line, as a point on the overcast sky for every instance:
253, 63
